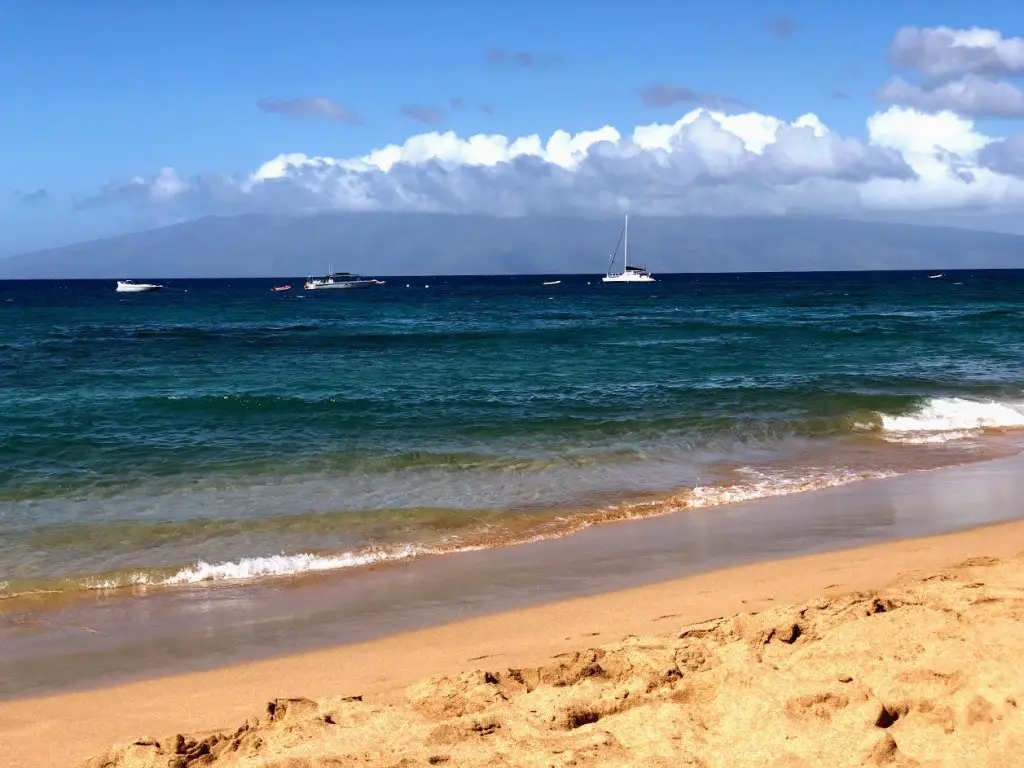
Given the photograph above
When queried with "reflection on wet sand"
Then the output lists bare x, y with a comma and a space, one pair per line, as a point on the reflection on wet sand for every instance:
110, 637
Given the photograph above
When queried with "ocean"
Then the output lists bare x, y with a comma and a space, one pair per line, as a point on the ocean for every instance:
216, 431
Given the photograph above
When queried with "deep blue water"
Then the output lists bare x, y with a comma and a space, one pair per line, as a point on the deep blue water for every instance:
217, 421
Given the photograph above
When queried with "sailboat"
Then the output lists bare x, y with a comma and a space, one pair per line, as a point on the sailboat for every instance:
629, 274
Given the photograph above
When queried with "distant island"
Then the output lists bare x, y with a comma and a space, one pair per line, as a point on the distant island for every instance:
437, 244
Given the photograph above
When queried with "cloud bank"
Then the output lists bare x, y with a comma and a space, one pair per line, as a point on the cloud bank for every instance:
923, 153
705, 162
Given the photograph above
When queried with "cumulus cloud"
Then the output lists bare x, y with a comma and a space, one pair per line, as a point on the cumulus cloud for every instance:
960, 70
321, 107
422, 114
781, 26
973, 95
952, 163
941, 52
502, 56
164, 187
671, 95
705, 162
921, 155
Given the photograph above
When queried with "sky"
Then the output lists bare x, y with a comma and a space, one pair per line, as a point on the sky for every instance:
121, 116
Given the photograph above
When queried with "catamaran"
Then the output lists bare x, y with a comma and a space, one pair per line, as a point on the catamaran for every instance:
629, 274
340, 280
130, 286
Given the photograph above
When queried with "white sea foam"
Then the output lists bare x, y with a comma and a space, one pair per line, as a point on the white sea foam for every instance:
942, 419
257, 567
762, 485
138, 579
287, 565
757, 484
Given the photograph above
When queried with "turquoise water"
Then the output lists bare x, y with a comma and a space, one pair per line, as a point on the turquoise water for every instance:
216, 430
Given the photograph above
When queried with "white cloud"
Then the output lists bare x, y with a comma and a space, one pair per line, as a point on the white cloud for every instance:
959, 67
945, 150
941, 52
971, 95
165, 187
704, 163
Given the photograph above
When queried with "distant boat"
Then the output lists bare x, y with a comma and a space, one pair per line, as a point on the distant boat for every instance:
278, 288
337, 280
130, 286
933, 277
629, 274
553, 282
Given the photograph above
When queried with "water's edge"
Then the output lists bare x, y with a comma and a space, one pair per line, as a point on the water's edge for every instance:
113, 640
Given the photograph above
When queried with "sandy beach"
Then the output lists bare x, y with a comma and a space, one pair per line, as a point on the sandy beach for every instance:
887, 654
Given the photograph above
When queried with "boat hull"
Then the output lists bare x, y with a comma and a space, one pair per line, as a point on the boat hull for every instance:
340, 285
137, 288
627, 278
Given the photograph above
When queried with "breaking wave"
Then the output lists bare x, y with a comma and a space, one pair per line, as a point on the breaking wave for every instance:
942, 419
756, 484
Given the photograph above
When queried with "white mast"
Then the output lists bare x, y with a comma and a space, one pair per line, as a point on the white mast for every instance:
625, 252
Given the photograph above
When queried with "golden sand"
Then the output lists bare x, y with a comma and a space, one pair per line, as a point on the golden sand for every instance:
903, 654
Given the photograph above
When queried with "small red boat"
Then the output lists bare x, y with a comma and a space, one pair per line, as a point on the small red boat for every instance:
281, 288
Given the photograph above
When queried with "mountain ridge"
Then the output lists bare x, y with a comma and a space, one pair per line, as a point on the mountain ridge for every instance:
386, 244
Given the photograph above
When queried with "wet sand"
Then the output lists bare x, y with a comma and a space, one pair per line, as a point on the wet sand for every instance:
64, 729
922, 673
107, 639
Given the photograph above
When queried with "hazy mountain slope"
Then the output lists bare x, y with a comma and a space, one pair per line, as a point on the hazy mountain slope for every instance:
393, 243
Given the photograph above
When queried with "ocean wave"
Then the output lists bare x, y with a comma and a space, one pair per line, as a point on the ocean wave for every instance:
287, 565
943, 419
248, 568
757, 484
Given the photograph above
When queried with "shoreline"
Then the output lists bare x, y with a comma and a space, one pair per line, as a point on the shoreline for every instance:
65, 729
117, 640
556, 520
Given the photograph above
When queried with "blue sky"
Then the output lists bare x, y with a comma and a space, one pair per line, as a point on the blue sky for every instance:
99, 92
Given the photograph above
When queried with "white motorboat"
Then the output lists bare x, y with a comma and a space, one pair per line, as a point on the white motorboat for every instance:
629, 274
339, 280
130, 286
